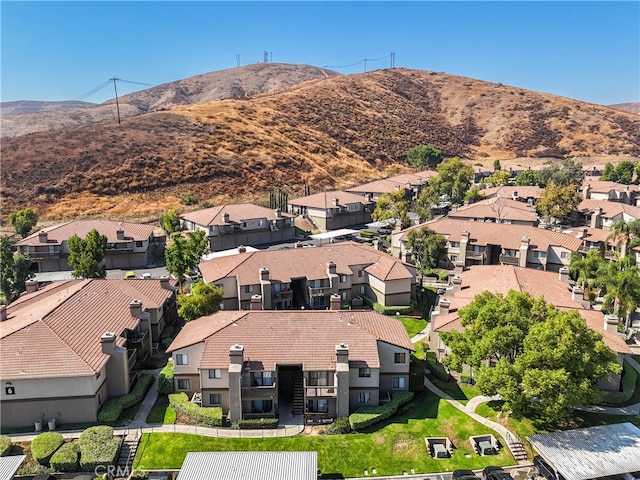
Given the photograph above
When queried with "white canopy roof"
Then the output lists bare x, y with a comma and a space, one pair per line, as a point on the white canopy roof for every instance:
333, 234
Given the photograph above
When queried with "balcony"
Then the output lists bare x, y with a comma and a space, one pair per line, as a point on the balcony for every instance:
509, 260
288, 295
55, 253
136, 339
319, 292
327, 391
474, 255
266, 391
132, 354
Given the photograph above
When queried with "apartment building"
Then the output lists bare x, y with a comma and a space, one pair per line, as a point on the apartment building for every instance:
67, 348
320, 364
334, 209
497, 210
129, 245
309, 277
411, 183
230, 226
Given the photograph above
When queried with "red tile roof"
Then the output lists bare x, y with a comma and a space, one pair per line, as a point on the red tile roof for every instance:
292, 336
388, 185
507, 191
609, 209
238, 213
62, 232
493, 207
325, 200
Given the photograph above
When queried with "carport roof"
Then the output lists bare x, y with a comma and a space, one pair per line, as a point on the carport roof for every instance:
594, 452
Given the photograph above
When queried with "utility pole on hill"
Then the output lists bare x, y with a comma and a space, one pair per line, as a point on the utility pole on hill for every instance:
115, 88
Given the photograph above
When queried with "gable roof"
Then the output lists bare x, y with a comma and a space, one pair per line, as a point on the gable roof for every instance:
238, 213
272, 337
493, 207
311, 263
605, 186
59, 233
609, 209
56, 332
325, 200
508, 191
506, 235
388, 185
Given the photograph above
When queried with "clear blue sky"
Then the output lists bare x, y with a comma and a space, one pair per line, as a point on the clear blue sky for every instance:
584, 50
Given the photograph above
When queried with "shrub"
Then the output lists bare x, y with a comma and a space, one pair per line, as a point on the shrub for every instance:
340, 426
5, 445
403, 309
98, 447
165, 379
112, 409
45, 445
467, 379
66, 458
255, 424
629, 383
210, 416
367, 416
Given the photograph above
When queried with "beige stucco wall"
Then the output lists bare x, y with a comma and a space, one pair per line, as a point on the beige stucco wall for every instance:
356, 381
214, 383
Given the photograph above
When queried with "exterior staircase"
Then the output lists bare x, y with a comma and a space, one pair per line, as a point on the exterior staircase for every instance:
517, 447
128, 453
298, 393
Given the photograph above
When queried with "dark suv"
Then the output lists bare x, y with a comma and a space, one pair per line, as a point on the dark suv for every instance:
495, 473
464, 475
542, 468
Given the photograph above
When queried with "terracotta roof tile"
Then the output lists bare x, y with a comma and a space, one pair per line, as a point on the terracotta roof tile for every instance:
324, 200
609, 209
506, 208
237, 214
62, 232
388, 185
507, 191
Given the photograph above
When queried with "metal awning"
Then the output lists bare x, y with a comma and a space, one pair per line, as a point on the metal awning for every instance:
594, 452
333, 234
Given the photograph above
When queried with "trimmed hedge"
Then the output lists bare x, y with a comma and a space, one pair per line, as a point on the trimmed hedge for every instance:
45, 445
403, 309
339, 427
255, 424
66, 458
165, 380
98, 447
367, 416
628, 385
112, 409
5, 445
210, 416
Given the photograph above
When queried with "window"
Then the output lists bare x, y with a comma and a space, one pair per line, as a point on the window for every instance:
344, 295
138, 243
361, 289
261, 379
454, 244
454, 258
215, 373
564, 255
398, 382
99, 398
361, 273
261, 406
539, 254
248, 289
321, 405
183, 384
215, 398
343, 279
364, 397
319, 378
245, 306
182, 359
399, 358
219, 285
364, 372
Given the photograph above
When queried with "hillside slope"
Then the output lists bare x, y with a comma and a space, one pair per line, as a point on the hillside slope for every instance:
329, 133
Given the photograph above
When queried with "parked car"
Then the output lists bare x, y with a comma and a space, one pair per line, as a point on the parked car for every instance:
495, 473
464, 475
130, 274
541, 467
145, 276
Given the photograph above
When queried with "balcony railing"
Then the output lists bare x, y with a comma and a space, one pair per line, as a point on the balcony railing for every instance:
44, 255
258, 392
132, 355
473, 255
318, 418
283, 295
249, 416
319, 292
137, 339
509, 260
321, 392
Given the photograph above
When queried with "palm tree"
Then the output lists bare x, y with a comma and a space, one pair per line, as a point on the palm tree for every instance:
584, 268
621, 283
622, 233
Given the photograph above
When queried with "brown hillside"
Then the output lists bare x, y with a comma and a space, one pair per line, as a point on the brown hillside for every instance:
329, 133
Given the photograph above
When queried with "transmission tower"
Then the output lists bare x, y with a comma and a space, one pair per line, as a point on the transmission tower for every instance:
266, 57
393, 59
237, 59
115, 88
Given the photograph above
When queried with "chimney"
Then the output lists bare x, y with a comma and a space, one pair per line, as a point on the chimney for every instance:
378, 245
596, 221
331, 268
336, 202
368, 196
514, 195
256, 301
298, 245
278, 213
397, 187
408, 185
524, 250
577, 293
582, 232
458, 266
165, 282
586, 191
108, 342
236, 359
563, 274
3, 313
225, 217
32, 286
342, 374
611, 323
444, 306
406, 257
335, 301
120, 234
264, 274
242, 249
456, 281
42, 237
135, 306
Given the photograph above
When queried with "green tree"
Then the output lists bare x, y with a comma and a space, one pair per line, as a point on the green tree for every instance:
171, 222
563, 174
624, 172
473, 195
584, 270
14, 271
454, 179
528, 177
625, 235
86, 255
620, 282
424, 157
546, 361
426, 247
609, 173
184, 253
392, 205
501, 177
496, 166
558, 203
23, 221
204, 299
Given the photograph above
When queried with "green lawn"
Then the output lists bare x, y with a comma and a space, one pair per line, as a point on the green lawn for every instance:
161, 412
413, 325
394, 446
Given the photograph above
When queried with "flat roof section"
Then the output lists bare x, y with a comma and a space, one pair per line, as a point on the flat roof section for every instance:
333, 234
593, 452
